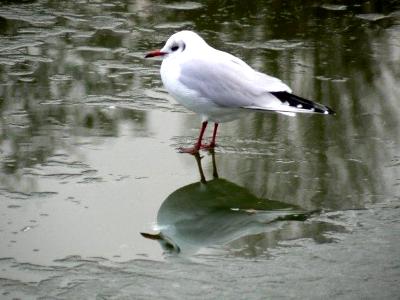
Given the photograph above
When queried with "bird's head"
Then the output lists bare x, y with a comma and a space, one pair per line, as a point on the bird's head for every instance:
178, 43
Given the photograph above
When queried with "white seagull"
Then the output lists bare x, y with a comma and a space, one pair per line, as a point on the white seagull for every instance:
219, 86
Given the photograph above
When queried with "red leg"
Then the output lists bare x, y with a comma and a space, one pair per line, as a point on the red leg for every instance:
195, 149
212, 144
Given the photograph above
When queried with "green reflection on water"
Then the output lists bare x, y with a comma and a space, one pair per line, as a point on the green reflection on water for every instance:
218, 212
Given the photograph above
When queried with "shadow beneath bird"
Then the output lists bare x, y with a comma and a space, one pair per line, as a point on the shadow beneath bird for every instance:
215, 213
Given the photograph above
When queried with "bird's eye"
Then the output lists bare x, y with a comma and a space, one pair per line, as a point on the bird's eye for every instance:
174, 48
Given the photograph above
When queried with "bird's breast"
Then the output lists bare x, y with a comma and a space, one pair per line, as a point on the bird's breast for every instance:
207, 108
170, 72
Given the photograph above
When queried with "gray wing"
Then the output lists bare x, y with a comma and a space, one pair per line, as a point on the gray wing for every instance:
230, 83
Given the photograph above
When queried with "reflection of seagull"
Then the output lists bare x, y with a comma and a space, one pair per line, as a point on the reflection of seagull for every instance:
218, 85
216, 212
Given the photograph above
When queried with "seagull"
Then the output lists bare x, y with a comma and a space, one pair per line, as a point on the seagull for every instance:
219, 86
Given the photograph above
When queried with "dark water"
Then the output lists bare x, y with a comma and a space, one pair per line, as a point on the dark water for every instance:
304, 207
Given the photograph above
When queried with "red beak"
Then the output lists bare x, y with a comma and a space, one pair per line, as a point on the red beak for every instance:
155, 53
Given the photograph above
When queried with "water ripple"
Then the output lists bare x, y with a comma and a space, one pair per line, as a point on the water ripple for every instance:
188, 5
277, 45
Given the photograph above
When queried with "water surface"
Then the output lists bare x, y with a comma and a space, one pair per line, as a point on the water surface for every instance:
303, 207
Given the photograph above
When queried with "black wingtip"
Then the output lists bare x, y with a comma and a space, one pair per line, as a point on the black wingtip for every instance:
330, 111
299, 102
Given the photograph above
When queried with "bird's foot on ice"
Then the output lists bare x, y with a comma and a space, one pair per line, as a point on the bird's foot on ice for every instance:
189, 150
210, 146
196, 148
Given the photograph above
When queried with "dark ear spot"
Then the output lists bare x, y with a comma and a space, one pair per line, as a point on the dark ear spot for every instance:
174, 47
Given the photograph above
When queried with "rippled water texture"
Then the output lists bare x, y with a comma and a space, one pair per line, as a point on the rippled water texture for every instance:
95, 201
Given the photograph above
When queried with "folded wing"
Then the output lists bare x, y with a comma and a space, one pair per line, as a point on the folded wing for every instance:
231, 83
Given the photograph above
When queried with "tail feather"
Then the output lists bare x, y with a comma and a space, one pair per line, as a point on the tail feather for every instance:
303, 105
